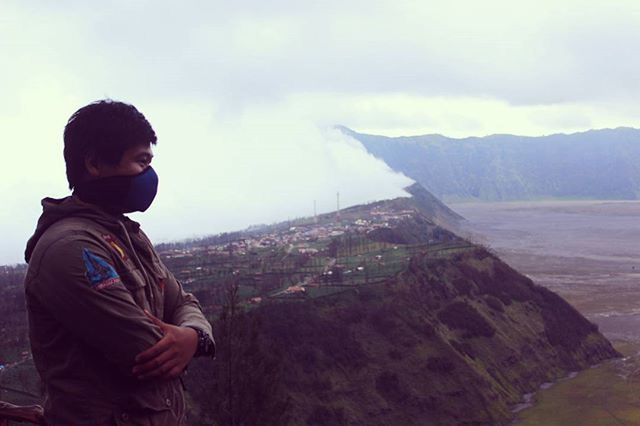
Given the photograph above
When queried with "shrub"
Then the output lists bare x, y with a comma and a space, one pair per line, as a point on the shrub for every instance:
505, 283
494, 303
395, 354
352, 314
321, 385
481, 254
563, 325
301, 326
462, 316
383, 322
439, 364
428, 330
323, 415
387, 235
388, 386
463, 286
463, 348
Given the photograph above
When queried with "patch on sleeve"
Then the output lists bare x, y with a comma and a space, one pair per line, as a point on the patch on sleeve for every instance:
99, 272
112, 242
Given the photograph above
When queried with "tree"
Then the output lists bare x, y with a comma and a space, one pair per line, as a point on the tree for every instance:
246, 386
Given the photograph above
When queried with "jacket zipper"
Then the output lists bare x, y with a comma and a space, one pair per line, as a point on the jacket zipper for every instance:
150, 295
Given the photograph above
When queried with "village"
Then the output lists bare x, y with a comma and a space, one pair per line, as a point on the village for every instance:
305, 258
300, 236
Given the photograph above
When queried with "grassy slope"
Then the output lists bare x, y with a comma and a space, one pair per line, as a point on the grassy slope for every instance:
451, 340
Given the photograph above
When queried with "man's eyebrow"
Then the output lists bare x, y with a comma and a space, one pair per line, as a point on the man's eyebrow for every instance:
144, 155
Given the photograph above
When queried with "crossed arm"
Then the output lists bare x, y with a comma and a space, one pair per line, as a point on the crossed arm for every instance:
109, 320
170, 355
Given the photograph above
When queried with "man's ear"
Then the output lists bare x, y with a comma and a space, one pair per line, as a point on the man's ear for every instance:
91, 165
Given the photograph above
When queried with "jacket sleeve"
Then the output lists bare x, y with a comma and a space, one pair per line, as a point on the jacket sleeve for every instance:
180, 307
78, 285
185, 310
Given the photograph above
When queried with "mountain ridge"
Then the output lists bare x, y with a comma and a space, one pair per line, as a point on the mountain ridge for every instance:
595, 164
351, 132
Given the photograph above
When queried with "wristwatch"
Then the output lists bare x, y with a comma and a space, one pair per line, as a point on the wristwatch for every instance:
206, 346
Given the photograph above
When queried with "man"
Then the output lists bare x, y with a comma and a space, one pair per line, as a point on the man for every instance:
111, 329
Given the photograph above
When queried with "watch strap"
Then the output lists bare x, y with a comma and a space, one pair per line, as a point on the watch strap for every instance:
206, 346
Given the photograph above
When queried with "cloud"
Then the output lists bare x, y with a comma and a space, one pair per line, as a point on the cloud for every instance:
217, 173
242, 93
407, 115
222, 174
524, 53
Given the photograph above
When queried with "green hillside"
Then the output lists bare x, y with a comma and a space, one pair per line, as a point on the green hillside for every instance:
455, 338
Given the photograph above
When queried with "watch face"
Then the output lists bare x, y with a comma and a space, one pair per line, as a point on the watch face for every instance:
206, 346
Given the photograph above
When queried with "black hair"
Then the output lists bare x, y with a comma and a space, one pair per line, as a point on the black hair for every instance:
104, 129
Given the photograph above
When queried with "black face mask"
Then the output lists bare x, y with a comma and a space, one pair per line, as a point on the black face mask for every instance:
121, 194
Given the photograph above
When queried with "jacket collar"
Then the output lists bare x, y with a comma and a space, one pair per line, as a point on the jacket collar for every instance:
54, 210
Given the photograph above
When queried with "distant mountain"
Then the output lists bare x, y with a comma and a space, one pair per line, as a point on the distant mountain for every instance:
597, 164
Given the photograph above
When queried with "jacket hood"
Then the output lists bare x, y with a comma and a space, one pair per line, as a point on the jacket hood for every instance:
54, 210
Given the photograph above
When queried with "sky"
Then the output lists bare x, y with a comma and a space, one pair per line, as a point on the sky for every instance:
243, 95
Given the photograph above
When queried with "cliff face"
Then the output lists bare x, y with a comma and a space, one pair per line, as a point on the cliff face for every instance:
455, 338
431, 207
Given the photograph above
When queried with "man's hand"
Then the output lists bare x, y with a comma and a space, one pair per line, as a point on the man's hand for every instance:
170, 355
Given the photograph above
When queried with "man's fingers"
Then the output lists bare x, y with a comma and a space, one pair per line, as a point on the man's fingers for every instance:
153, 363
173, 373
155, 320
161, 346
161, 370
169, 356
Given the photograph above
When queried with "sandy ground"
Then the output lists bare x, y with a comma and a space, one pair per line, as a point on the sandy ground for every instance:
586, 251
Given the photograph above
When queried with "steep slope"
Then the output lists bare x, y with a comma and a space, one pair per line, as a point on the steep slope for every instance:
431, 207
600, 164
444, 343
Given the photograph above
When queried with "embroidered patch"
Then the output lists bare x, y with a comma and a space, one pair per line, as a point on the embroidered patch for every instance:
112, 242
99, 272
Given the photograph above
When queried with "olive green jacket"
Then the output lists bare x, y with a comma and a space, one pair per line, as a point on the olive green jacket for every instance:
90, 276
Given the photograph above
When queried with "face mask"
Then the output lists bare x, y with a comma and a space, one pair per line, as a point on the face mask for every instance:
121, 194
